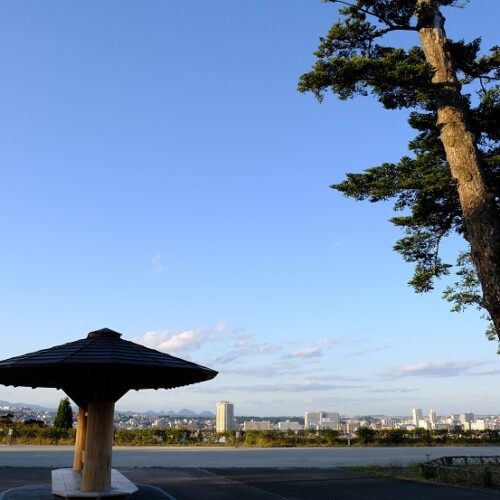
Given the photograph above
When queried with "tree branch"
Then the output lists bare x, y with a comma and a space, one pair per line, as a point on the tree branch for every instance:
391, 27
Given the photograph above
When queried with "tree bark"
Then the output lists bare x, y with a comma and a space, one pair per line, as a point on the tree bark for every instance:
480, 214
98, 447
81, 433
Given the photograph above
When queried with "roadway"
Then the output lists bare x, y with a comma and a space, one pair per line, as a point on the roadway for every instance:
191, 473
224, 457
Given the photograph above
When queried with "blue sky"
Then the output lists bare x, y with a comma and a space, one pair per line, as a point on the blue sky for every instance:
162, 176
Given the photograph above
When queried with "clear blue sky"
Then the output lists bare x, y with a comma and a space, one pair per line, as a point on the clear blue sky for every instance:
162, 176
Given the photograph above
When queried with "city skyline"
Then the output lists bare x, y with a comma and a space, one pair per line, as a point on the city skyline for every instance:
173, 185
227, 412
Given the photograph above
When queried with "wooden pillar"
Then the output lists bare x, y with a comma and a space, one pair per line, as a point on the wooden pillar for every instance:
81, 431
98, 446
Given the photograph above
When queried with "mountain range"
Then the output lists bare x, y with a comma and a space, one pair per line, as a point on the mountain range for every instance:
184, 413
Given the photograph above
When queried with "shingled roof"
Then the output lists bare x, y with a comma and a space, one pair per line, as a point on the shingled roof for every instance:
101, 367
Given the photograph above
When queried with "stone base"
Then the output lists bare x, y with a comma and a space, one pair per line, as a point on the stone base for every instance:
67, 483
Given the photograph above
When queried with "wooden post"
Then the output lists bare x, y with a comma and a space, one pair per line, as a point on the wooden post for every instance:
81, 431
98, 446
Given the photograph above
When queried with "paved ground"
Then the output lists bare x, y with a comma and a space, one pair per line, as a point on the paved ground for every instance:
246, 484
164, 456
228, 473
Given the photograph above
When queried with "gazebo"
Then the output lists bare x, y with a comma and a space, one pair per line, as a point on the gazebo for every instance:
95, 372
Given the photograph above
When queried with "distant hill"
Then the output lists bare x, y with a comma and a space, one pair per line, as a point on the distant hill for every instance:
26, 405
206, 414
184, 413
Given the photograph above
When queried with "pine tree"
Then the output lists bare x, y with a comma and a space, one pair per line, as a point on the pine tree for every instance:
64, 416
450, 182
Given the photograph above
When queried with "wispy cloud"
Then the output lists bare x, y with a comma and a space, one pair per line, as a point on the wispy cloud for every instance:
331, 341
279, 368
158, 267
244, 346
430, 369
339, 243
311, 352
391, 390
317, 349
484, 371
298, 387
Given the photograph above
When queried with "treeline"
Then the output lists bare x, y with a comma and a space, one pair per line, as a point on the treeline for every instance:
422, 437
37, 433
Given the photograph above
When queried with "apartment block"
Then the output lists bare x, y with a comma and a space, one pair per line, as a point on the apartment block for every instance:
321, 420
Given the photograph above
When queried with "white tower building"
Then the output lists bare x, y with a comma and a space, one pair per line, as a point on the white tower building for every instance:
224, 416
432, 416
417, 415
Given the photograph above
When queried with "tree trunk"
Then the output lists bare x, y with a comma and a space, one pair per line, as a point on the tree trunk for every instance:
81, 433
477, 200
98, 447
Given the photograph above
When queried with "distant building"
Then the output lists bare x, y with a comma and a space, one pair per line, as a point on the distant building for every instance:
432, 416
466, 420
416, 415
321, 420
478, 425
423, 424
257, 425
442, 427
160, 423
351, 426
289, 425
224, 416
388, 423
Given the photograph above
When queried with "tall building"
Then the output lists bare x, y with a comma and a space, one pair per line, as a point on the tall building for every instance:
417, 415
432, 416
466, 420
321, 420
224, 416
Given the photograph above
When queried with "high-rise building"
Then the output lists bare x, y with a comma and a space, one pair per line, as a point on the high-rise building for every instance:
321, 420
417, 415
224, 416
466, 420
432, 416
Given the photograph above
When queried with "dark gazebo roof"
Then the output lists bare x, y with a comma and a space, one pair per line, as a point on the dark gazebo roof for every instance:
101, 367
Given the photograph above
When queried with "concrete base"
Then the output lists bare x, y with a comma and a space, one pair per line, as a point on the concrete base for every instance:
67, 483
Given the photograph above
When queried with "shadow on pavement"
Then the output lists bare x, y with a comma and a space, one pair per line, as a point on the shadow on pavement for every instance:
248, 484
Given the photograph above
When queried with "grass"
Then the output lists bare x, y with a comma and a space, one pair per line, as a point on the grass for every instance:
410, 472
479, 476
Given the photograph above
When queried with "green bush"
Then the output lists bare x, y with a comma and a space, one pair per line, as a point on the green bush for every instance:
35, 434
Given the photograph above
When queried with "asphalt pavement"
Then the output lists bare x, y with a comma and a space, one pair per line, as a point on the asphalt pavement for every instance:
208, 477
226, 457
23, 483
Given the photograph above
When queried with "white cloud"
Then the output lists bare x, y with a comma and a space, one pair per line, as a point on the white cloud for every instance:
429, 369
388, 389
339, 243
289, 387
158, 267
330, 341
221, 327
311, 352
318, 348
244, 347
191, 339
167, 341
